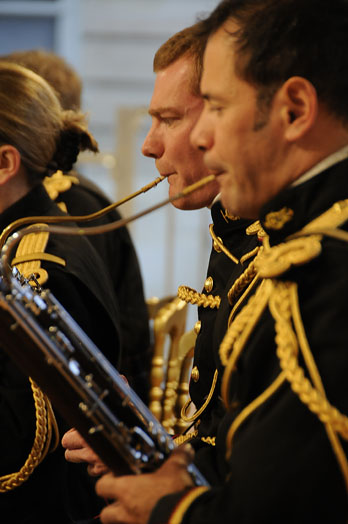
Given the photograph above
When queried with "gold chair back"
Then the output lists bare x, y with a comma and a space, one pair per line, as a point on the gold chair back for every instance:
185, 357
171, 361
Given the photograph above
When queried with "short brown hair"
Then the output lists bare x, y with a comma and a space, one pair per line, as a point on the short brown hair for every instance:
55, 70
187, 42
32, 120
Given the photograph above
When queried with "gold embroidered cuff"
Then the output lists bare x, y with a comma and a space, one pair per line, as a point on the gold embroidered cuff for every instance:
185, 503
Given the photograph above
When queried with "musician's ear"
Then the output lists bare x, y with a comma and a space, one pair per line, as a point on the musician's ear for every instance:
10, 161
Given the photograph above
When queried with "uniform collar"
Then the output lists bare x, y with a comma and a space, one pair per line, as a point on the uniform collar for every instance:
327, 162
297, 205
224, 222
216, 199
35, 203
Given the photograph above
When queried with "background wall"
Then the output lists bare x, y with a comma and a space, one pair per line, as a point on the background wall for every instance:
111, 43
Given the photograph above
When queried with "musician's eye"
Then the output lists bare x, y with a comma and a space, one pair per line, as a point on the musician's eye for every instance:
169, 120
215, 109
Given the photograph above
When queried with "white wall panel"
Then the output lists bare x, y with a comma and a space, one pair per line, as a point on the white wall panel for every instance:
139, 17
112, 43
119, 39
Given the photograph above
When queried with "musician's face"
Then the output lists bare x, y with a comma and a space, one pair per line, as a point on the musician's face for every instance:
175, 110
244, 143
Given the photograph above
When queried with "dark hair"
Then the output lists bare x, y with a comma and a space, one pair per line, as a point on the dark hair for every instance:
55, 70
189, 42
278, 39
32, 120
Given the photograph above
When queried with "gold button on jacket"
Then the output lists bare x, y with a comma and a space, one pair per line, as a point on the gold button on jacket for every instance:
209, 284
197, 327
195, 374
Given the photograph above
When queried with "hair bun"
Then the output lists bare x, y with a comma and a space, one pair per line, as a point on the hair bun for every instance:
74, 137
68, 148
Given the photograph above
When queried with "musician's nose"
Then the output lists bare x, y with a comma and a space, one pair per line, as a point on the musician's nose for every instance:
153, 145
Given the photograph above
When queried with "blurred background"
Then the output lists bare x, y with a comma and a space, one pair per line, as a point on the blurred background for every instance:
111, 44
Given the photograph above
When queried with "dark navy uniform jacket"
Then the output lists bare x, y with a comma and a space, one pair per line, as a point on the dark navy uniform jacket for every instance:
232, 251
118, 253
83, 286
285, 457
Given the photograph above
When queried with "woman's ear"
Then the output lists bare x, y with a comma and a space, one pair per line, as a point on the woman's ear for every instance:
299, 107
10, 161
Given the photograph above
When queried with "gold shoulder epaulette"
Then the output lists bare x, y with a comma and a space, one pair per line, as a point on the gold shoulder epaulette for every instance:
58, 183
304, 245
278, 259
334, 217
30, 253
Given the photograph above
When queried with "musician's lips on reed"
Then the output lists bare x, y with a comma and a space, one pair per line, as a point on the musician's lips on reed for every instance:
38, 223
168, 175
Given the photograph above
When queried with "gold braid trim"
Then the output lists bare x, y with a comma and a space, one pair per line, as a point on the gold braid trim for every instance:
45, 423
199, 411
282, 299
29, 244
251, 253
287, 353
256, 229
58, 183
181, 439
278, 259
249, 409
209, 440
283, 305
314, 373
52, 425
217, 242
240, 329
38, 257
241, 299
184, 504
231, 349
30, 252
332, 218
244, 279
191, 296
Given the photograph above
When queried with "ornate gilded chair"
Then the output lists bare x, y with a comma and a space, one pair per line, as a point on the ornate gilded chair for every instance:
171, 361
185, 357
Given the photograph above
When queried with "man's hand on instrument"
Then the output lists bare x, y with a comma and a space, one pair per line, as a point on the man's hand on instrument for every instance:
77, 450
135, 496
